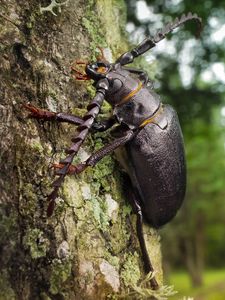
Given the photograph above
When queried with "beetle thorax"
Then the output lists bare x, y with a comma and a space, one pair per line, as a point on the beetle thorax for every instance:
121, 85
133, 103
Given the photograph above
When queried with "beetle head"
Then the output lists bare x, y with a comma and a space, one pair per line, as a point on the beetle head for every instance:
83, 70
86, 71
98, 70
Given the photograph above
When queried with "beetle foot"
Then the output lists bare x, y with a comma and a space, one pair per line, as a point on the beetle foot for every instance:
154, 284
38, 113
71, 170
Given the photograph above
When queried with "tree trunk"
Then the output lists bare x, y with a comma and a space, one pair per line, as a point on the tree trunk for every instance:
88, 249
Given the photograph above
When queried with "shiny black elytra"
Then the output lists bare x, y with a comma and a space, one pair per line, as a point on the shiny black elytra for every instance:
148, 130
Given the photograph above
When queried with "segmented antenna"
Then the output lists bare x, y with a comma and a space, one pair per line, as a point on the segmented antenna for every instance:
177, 22
150, 42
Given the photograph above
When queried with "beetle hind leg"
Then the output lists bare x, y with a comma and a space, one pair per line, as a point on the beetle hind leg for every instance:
147, 263
139, 227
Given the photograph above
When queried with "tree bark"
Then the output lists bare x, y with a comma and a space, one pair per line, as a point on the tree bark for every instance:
88, 249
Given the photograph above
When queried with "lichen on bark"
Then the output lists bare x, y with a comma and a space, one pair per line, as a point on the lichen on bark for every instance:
89, 248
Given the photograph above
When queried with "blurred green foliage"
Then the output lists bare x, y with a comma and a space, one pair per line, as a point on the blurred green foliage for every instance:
212, 289
196, 237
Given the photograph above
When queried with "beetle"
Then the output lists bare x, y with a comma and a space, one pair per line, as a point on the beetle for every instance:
148, 130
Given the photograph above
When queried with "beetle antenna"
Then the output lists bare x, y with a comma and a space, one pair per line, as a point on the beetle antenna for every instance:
149, 42
178, 22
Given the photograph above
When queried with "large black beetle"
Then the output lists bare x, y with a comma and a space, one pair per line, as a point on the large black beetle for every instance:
148, 130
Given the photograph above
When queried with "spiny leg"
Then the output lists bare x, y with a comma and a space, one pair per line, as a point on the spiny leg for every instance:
133, 199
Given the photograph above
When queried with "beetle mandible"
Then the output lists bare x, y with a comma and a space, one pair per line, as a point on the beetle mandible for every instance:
148, 130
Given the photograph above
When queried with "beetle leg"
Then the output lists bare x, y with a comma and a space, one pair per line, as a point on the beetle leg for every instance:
139, 227
45, 115
107, 149
38, 113
147, 263
94, 158
72, 170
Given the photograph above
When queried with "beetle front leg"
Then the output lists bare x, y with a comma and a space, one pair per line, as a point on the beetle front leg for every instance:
45, 115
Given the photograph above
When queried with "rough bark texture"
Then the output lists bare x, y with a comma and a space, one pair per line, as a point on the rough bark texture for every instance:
88, 249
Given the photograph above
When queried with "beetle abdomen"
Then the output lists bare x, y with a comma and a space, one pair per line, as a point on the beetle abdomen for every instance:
158, 168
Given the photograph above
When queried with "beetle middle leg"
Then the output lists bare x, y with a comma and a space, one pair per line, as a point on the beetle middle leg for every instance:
97, 156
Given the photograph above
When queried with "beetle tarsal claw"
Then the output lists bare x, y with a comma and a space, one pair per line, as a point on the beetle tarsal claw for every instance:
32, 109
154, 284
62, 169
38, 113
